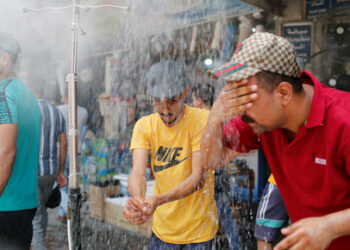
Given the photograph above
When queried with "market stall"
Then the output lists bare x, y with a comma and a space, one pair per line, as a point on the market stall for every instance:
118, 43
191, 35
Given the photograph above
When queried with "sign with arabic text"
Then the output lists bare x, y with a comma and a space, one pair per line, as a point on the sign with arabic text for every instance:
339, 3
316, 8
300, 35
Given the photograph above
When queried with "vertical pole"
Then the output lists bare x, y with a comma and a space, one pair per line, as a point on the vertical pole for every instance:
75, 200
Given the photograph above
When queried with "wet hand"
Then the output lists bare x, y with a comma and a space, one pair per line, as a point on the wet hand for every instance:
149, 206
306, 234
133, 213
234, 99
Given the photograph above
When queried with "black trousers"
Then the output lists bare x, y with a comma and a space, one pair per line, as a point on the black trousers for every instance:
16, 229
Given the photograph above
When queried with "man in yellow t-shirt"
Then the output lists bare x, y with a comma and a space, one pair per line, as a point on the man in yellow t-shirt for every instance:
183, 205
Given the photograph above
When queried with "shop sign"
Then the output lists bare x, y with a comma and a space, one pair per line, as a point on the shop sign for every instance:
338, 3
300, 35
316, 8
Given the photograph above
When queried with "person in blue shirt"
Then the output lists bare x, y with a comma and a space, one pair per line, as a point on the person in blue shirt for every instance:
52, 158
19, 152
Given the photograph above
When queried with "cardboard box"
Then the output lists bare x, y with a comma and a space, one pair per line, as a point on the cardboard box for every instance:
97, 196
146, 229
110, 210
114, 215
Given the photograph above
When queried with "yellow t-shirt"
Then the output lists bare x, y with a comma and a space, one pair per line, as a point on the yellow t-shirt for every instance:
193, 218
272, 180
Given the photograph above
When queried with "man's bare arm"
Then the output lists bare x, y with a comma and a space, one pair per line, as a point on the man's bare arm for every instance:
214, 153
63, 152
137, 188
8, 139
193, 183
137, 179
61, 179
234, 99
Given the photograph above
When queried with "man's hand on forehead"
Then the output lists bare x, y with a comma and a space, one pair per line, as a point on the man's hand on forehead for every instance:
240, 83
240, 89
234, 99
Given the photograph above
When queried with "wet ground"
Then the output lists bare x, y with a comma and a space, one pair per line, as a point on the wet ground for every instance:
100, 236
95, 235
56, 237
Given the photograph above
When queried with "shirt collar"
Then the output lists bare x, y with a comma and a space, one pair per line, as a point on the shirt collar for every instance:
317, 112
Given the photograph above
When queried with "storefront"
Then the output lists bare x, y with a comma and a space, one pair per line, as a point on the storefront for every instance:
117, 47
200, 36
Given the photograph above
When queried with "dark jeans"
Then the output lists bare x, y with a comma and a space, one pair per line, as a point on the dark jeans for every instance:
16, 229
158, 244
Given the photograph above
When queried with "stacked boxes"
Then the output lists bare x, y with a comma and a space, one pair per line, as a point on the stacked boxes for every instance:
114, 215
97, 195
106, 204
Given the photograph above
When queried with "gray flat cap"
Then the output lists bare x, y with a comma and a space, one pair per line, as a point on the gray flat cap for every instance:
9, 44
166, 79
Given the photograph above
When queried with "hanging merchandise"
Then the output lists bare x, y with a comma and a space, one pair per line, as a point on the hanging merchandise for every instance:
245, 29
193, 39
230, 34
88, 164
113, 153
217, 36
124, 161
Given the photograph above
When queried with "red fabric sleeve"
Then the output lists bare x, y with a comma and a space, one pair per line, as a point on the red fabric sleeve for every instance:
239, 136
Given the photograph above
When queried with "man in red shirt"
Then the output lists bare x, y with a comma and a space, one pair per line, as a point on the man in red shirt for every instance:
303, 128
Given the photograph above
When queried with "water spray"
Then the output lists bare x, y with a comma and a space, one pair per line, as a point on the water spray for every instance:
75, 197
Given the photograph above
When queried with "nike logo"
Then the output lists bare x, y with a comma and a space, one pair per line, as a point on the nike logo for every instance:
158, 168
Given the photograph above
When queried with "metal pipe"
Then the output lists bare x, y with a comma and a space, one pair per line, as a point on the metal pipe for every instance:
72, 104
74, 195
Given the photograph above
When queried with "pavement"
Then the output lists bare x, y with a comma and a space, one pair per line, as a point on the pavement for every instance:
94, 234
99, 235
56, 235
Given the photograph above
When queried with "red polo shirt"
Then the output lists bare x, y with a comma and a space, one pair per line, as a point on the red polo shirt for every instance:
313, 171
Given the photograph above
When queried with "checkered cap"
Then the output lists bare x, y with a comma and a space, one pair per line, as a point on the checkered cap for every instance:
166, 79
261, 51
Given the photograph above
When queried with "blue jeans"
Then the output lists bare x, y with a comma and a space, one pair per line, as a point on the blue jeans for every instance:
64, 192
157, 244
222, 198
45, 184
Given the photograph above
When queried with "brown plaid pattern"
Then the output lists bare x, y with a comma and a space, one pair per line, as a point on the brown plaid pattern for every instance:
260, 52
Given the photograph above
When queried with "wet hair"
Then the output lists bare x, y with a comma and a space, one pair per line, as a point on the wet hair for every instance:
13, 57
204, 91
270, 81
9, 45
